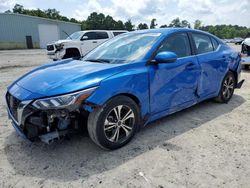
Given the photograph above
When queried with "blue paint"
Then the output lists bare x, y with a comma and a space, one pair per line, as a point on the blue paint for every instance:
160, 89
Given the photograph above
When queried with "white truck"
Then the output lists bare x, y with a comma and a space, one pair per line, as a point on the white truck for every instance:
79, 43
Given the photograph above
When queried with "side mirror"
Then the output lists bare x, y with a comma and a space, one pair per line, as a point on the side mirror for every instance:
165, 57
85, 38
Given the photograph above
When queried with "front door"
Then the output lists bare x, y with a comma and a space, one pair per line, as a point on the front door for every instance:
91, 40
174, 84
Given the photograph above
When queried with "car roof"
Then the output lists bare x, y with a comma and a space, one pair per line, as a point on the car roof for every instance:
103, 30
169, 30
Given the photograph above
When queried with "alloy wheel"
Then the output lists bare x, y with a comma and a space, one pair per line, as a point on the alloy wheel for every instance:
119, 123
228, 87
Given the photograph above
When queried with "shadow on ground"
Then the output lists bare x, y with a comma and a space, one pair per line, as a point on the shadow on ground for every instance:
79, 158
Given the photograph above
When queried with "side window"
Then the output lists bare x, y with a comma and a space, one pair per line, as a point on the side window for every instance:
178, 44
203, 43
90, 35
102, 35
215, 44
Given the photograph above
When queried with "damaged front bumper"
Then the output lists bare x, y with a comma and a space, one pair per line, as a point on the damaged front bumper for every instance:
45, 125
57, 54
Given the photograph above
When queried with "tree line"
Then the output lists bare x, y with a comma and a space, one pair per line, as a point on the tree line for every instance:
106, 22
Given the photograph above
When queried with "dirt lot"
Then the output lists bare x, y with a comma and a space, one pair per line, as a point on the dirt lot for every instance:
207, 145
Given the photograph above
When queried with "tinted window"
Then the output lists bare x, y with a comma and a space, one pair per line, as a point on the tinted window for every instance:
203, 43
90, 35
118, 33
102, 35
178, 44
215, 43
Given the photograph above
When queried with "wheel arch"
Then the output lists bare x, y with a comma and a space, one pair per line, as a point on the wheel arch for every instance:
72, 49
143, 111
131, 96
235, 73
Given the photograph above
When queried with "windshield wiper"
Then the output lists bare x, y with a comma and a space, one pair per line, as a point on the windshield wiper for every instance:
98, 60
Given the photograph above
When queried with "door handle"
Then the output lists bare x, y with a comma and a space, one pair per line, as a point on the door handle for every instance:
94, 42
191, 66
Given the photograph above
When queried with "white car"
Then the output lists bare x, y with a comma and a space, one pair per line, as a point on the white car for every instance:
79, 43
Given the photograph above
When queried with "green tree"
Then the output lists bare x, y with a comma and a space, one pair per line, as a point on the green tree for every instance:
119, 25
142, 26
153, 23
7, 11
164, 26
185, 23
18, 9
128, 25
175, 23
52, 13
94, 21
108, 22
197, 24
179, 23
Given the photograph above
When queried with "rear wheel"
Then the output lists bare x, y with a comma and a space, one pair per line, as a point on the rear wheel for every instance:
227, 88
114, 125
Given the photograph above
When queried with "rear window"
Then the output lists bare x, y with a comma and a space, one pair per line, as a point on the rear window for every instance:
118, 33
203, 43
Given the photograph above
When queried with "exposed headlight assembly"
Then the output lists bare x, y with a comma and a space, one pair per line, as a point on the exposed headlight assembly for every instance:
63, 101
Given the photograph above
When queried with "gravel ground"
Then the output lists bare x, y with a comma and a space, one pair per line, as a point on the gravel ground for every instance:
207, 145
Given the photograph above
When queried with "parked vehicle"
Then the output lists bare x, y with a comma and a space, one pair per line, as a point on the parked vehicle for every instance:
79, 43
123, 84
238, 40
245, 50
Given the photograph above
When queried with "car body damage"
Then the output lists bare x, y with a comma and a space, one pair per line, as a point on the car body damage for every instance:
45, 119
129, 81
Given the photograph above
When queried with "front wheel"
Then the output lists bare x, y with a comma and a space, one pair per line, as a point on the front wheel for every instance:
227, 88
114, 124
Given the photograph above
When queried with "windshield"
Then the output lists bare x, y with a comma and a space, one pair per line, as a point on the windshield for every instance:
75, 35
123, 48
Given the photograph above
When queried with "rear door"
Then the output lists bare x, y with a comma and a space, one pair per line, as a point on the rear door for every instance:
213, 64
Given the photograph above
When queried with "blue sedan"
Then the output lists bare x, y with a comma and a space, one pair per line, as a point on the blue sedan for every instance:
122, 85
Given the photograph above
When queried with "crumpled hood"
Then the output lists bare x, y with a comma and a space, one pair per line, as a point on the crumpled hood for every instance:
66, 76
63, 41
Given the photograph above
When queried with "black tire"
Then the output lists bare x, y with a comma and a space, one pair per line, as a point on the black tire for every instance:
71, 53
101, 115
227, 88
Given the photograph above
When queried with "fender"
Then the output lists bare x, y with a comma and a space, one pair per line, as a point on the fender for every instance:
126, 85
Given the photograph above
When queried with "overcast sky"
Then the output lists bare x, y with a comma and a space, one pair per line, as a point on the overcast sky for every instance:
209, 11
